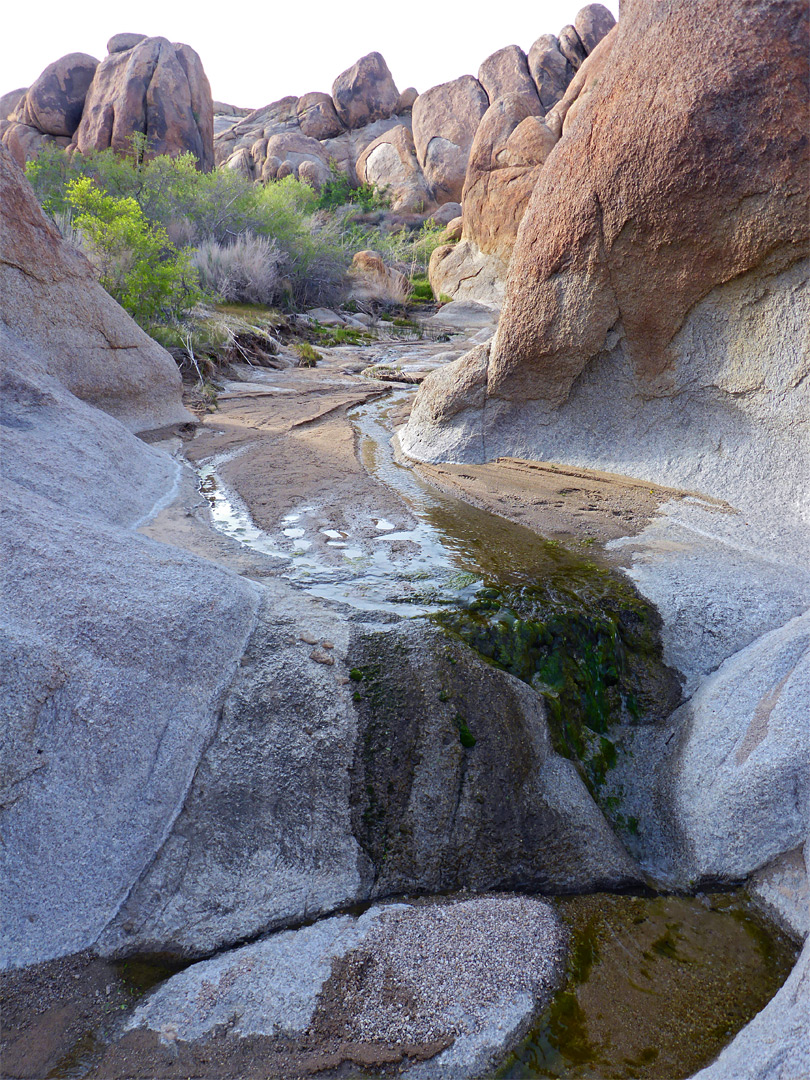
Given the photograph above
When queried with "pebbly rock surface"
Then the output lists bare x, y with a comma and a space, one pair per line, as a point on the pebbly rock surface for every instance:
445, 119
154, 87
365, 92
439, 989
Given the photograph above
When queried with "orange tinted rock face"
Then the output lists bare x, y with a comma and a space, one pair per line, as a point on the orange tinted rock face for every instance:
685, 167
510, 146
156, 88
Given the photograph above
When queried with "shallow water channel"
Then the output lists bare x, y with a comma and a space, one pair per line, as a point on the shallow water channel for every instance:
657, 984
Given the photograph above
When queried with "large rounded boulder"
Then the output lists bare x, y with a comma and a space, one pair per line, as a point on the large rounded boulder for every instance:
54, 103
445, 120
365, 92
507, 72
390, 162
154, 88
550, 70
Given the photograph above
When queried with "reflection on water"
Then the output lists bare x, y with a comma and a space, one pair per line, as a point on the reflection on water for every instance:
656, 987
445, 557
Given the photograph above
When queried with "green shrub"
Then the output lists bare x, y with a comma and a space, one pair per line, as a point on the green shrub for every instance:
136, 262
309, 357
421, 289
338, 191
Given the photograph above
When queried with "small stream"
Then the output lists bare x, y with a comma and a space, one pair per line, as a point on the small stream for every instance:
659, 984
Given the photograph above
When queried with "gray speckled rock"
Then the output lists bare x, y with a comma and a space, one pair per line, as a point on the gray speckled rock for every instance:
265, 836
783, 890
741, 787
461, 979
116, 652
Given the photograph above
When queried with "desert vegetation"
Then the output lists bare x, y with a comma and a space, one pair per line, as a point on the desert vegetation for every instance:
171, 243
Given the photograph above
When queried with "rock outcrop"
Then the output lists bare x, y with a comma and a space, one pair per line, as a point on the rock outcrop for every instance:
52, 303
390, 162
438, 989
153, 87
507, 72
593, 23
49, 111
365, 92
445, 119
599, 308
160, 695
551, 71
510, 147
54, 102
318, 117
509, 150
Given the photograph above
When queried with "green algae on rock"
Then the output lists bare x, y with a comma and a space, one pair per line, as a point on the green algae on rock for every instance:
455, 782
585, 640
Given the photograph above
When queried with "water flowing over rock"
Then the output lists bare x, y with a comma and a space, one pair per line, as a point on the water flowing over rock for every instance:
157, 89
445, 119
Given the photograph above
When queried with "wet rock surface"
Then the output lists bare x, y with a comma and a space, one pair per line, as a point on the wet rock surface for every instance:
455, 783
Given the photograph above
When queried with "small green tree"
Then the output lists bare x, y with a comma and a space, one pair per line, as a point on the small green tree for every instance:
136, 262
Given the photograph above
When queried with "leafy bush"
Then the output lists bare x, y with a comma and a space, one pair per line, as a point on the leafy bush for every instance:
194, 208
421, 288
246, 271
136, 262
337, 191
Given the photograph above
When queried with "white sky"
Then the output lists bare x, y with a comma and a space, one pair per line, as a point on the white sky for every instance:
255, 53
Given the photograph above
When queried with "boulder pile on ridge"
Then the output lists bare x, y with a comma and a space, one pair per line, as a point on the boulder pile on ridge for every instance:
143, 86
